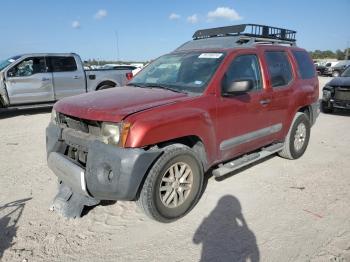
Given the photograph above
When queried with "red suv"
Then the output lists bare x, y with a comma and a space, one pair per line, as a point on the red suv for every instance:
231, 96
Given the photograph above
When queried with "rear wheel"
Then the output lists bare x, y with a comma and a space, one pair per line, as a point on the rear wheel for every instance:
297, 138
173, 184
105, 87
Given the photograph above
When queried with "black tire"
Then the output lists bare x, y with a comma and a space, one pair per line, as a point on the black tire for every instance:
150, 200
104, 87
325, 108
290, 151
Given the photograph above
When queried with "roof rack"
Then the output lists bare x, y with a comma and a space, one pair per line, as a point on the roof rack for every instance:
250, 32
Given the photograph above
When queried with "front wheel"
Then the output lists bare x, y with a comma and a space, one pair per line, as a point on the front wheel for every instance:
297, 138
173, 184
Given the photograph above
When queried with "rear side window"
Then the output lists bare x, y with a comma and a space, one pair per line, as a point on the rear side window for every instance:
63, 64
279, 68
305, 66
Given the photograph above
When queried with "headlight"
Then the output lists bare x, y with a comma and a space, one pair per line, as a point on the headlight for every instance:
115, 134
53, 116
111, 133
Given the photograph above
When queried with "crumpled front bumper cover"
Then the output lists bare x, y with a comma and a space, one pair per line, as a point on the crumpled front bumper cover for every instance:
111, 173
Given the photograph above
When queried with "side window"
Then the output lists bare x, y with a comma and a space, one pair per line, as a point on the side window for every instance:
62, 64
29, 66
305, 66
245, 67
279, 68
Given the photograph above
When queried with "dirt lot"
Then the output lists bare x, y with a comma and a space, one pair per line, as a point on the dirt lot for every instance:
278, 210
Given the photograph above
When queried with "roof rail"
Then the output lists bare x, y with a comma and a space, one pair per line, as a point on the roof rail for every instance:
254, 32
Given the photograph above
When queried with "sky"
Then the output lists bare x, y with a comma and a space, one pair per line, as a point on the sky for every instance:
148, 29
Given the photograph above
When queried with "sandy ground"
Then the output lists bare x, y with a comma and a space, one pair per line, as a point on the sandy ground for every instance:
277, 210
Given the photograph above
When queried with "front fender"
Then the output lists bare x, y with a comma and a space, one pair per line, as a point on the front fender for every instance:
173, 124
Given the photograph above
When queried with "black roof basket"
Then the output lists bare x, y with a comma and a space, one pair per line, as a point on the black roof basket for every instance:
261, 33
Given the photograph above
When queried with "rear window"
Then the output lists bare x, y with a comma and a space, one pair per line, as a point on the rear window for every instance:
63, 64
305, 66
279, 68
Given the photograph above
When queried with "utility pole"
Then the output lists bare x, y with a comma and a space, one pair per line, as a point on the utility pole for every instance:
117, 38
347, 51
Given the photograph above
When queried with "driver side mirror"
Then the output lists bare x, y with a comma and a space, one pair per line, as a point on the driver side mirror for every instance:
237, 87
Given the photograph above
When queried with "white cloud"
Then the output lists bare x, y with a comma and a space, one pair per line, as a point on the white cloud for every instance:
76, 24
225, 13
174, 16
102, 13
193, 19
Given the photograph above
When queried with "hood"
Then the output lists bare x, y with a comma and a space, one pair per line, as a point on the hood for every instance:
115, 104
340, 81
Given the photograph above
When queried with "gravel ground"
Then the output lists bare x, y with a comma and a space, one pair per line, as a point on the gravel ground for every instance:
277, 210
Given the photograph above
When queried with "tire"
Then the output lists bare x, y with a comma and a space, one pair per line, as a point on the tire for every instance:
104, 87
325, 108
335, 73
297, 138
162, 186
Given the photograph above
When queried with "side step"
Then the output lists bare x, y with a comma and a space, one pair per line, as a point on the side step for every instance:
245, 160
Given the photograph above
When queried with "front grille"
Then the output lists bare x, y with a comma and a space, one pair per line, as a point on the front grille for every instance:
341, 94
86, 126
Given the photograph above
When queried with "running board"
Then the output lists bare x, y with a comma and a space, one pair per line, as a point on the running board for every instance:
245, 160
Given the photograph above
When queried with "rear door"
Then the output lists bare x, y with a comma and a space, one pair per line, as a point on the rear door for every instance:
68, 76
29, 81
243, 123
281, 81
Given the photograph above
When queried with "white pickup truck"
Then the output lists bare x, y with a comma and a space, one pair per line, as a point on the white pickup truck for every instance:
45, 78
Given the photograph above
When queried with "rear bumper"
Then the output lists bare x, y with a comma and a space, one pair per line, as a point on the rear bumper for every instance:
110, 173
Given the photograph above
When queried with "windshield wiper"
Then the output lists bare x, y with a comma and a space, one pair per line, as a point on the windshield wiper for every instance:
154, 85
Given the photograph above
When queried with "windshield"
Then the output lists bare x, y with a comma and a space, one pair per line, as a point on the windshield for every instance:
5, 63
346, 73
181, 72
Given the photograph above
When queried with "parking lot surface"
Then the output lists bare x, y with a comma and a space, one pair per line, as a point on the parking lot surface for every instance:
277, 210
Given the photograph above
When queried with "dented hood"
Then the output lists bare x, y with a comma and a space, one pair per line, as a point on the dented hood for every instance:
116, 103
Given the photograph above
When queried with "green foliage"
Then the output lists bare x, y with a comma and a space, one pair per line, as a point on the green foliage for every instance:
328, 54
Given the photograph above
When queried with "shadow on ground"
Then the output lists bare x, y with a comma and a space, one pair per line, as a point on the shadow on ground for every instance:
225, 235
8, 222
14, 112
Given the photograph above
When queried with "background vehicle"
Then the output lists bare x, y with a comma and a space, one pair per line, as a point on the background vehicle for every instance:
230, 97
336, 94
336, 69
42, 78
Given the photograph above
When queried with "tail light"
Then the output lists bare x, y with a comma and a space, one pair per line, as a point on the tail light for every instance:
129, 76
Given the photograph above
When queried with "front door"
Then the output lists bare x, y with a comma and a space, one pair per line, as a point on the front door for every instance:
243, 119
68, 79
29, 82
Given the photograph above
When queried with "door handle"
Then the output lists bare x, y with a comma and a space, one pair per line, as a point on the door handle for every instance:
265, 102
76, 77
45, 79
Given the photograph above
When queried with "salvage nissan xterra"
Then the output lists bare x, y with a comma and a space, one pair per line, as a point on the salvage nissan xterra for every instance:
230, 97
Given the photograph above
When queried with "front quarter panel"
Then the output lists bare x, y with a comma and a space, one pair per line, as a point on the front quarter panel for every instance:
187, 118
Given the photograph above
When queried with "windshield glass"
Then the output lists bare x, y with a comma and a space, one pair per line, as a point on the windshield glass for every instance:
346, 73
182, 72
8, 61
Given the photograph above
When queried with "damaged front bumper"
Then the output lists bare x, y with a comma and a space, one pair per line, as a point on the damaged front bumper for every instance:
109, 172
